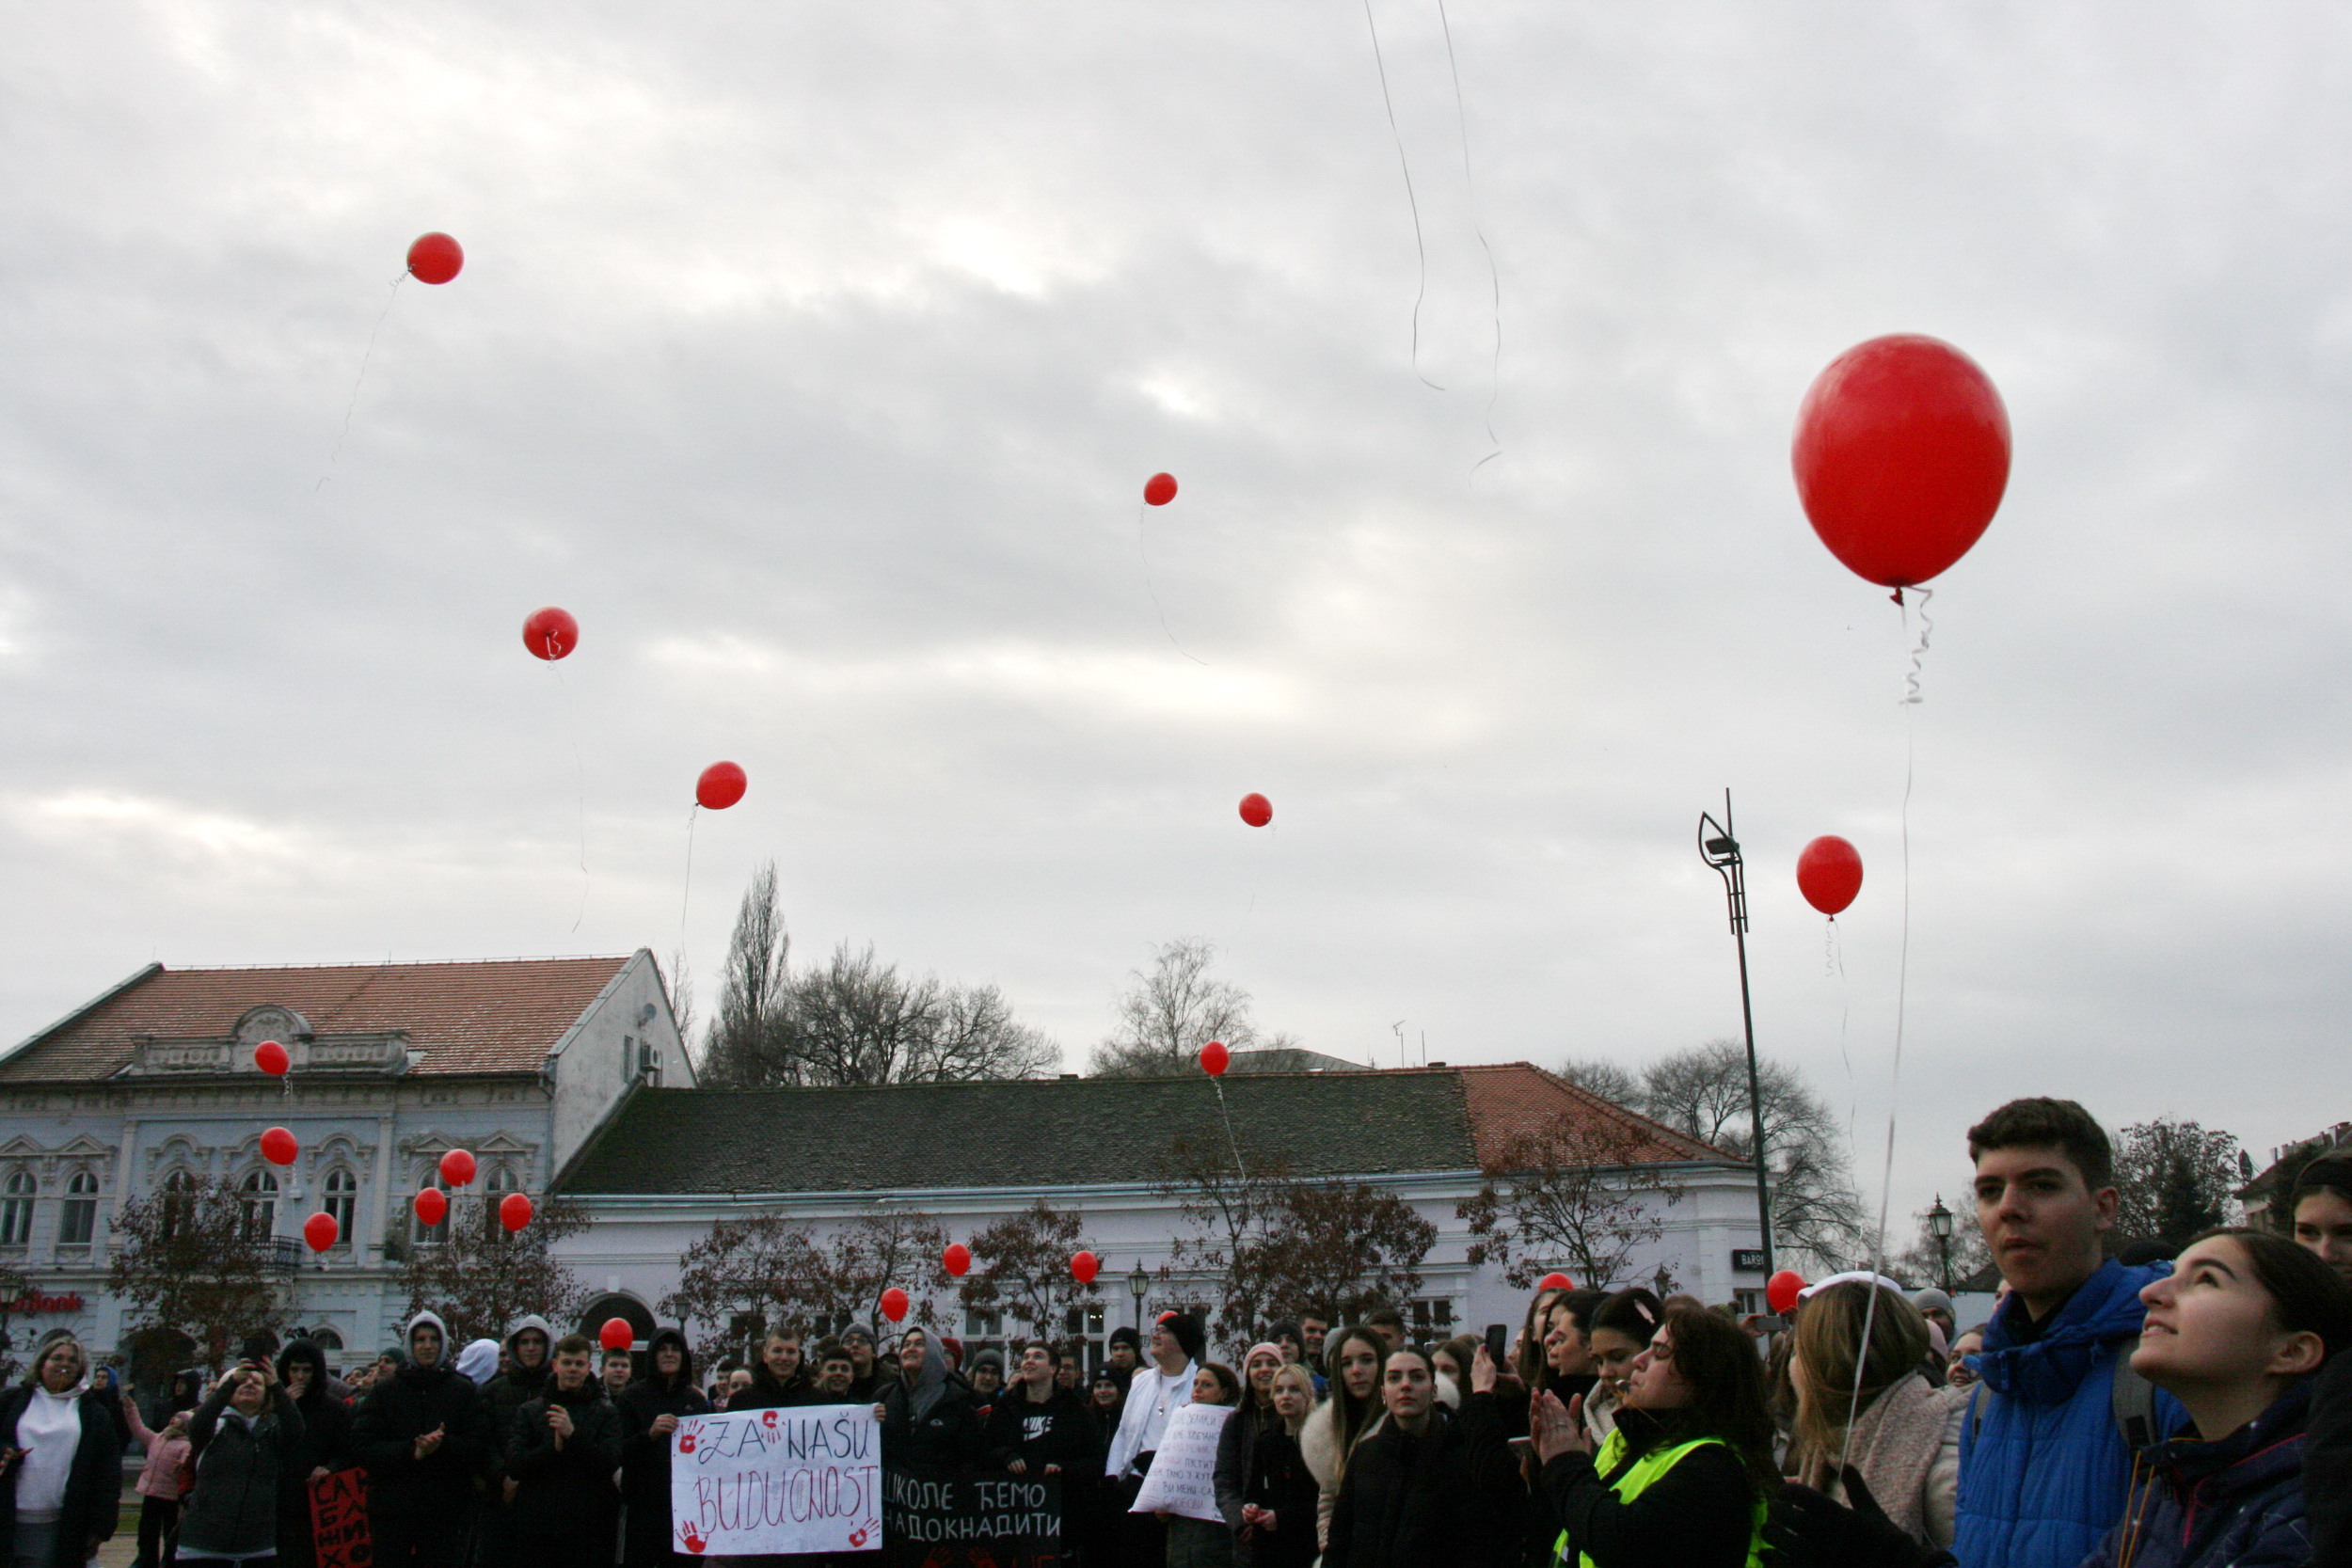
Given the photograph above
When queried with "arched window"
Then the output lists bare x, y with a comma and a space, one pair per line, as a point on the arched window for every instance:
327, 1339
16, 1209
257, 1201
494, 1187
431, 1235
80, 1220
343, 1201
179, 1194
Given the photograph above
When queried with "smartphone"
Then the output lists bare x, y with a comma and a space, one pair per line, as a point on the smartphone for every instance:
1495, 1339
1522, 1445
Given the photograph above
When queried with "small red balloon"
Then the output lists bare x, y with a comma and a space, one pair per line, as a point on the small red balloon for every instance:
320, 1230
616, 1334
1829, 874
1256, 810
957, 1260
1555, 1281
1780, 1291
894, 1304
550, 632
514, 1210
722, 784
432, 1205
435, 258
271, 1058
457, 1168
1215, 1058
1901, 456
1159, 489
278, 1146
1083, 1266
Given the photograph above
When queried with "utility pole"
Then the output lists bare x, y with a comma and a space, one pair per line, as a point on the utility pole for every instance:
1721, 850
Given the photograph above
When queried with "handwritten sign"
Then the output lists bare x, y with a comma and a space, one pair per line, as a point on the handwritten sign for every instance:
339, 1520
1183, 1473
937, 1520
759, 1481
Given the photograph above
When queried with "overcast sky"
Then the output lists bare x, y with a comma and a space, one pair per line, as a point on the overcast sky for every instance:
815, 357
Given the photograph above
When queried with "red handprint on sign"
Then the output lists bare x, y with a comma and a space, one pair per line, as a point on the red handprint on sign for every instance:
690, 1537
686, 1442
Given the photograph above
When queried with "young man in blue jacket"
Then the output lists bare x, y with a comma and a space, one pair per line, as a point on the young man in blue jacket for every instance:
2046, 1455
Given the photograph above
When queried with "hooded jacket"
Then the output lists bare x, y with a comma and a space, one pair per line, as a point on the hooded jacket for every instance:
233, 1508
645, 1457
2237, 1503
1060, 1432
403, 1407
2042, 1469
766, 1393
567, 1492
929, 1424
2328, 1465
518, 1384
323, 1444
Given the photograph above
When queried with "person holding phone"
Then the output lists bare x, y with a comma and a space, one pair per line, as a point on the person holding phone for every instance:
243, 1436
60, 1464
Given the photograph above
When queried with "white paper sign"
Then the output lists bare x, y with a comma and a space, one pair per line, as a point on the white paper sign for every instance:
755, 1481
1184, 1472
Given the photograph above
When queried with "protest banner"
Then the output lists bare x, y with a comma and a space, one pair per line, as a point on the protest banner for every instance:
339, 1520
932, 1520
1183, 1473
768, 1482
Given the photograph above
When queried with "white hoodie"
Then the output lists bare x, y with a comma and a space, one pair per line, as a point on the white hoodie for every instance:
49, 1431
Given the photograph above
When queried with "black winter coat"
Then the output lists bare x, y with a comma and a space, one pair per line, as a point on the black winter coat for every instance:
766, 1393
1699, 1515
233, 1509
396, 1413
505, 1395
1060, 1432
646, 1462
1448, 1498
1280, 1482
93, 1491
2328, 1465
566, 1493
947, 1437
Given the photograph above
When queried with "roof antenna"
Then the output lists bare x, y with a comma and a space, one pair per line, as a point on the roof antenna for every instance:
1399, 1028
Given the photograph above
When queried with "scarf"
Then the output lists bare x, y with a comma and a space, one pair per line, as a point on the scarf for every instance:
1894, 1444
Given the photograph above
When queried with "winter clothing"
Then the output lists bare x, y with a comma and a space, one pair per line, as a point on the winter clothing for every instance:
1236, 1448
2042, 1468
1906, 1444
1319, 1445
1448, 1496
2328, 1465
1199, 1544
1058, 1432
646, 1458
518, 1384
565, 1504
2235, 1503
766, 1393
417, 1507
233, 1510
479, 1361
1657, 1496
68, 1483
1278, 1481
1151, 1398
325, 1444
929, 1424
160, 1475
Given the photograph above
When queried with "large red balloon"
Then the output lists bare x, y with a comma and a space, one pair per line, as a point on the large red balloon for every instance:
320, 1230
271, 1058
1829, 874
894, 1304
1901, 456
1256, 810
1780, 1291
1555, 1281
1215, 1058
1083, 1266
457, 1168
722, 784
435, 258
551, 632
616, 1334
278, 1146
514, 1210
432, 1205
957, 1260
1159, 489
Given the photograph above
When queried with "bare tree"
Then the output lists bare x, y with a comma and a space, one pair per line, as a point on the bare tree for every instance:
1228, 1211
1023, 1268
753, 985
752, 1274
1578, 1192
1343, 1247
1169, 1014
480, 1276
1605, 1079
189, 1258
2172, 1179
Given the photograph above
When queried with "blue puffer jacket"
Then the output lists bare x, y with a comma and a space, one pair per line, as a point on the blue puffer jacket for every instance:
2237, 1503
2043, 1476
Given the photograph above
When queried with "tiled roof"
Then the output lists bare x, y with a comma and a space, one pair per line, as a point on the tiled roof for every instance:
493, 1016
1050, 1132
1517, 1098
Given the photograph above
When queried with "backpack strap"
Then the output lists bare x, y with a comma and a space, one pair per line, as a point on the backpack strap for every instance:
1976, 1400
2134, 1400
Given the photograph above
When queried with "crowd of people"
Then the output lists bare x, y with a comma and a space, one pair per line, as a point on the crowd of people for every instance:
2188, 1412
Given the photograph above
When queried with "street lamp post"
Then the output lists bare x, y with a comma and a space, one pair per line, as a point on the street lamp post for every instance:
1719, 849
1138, 1286
1940, 1226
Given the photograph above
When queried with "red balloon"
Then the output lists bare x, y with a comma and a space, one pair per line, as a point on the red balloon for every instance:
1256, 810
1159, 489
1555, 1281
894, 1304
616, 1334
320, 1230
1780, 1291
432, 1205
457, 1168
1901, 456
271, 1058
278, 1146
722, 784
1083, 1266
1215, 1058
1829, 874
958, 1259
550, 633
435, 258
514, 1210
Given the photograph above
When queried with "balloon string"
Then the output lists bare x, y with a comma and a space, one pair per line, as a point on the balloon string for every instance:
580, 769
1412, 202
1494, 277
351, 407
686, 896
1152, 588
1919, 649
1226, 1115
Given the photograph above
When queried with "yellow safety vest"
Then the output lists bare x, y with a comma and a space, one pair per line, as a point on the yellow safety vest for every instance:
1637, 1479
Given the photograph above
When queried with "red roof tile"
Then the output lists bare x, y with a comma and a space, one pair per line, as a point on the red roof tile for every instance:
493, 1016
1517, 1098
